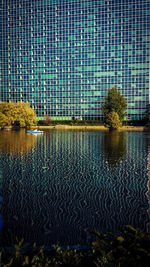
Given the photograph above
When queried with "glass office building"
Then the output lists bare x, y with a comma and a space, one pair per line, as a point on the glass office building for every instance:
61, 56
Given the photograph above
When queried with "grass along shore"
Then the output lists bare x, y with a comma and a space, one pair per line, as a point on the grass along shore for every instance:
89, 127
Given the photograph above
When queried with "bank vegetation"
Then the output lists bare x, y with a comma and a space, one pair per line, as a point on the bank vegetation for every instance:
130, 247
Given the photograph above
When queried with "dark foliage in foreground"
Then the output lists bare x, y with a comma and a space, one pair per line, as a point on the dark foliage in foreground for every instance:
131, 247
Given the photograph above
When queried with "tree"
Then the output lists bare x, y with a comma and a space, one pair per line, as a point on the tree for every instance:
113, 121
114, 101
4, 120
20, 111
6, 114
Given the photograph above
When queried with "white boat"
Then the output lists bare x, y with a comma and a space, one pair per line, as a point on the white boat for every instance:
35, 131
7, 128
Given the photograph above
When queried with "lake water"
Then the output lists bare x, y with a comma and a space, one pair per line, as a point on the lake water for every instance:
57, 187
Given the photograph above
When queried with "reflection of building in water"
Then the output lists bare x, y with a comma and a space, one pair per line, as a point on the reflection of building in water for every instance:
148, 186
1, 219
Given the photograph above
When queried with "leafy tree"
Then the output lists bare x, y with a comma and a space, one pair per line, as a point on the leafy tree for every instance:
20, 111
6, 111
114, 101
3, 120
113, 121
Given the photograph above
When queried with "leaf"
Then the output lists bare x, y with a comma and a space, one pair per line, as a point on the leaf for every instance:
130, 227
120, 239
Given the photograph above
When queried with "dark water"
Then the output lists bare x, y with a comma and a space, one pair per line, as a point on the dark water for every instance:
57, 187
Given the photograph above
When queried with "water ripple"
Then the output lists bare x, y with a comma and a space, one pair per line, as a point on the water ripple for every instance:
69, 183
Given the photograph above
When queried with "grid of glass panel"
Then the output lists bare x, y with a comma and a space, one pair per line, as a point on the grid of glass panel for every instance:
62, 55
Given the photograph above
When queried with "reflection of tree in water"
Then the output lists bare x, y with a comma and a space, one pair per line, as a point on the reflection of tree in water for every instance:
114, 146
16, 142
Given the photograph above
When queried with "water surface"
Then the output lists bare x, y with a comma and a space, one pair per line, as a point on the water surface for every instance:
57, 187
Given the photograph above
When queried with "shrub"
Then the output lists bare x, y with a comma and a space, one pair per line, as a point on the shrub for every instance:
47, 121
113, 121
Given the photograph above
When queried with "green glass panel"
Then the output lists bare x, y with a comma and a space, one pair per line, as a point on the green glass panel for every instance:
31, 82
139, 52
98, 93
90, 23
89, 29
47, 76
84, 105
72, 37
39, 70
131, 104
91, 17
91, 55
78, 68
134, 111
61, 82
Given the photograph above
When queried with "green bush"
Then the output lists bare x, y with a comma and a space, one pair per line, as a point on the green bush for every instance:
113, 121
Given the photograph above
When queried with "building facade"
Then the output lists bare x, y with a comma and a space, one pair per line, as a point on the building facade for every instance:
61, 56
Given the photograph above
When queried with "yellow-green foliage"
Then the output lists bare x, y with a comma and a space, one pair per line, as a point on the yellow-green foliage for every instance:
20, 111
4, 120
113, 121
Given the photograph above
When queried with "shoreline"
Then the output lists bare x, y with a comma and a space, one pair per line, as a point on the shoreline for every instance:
91, 128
